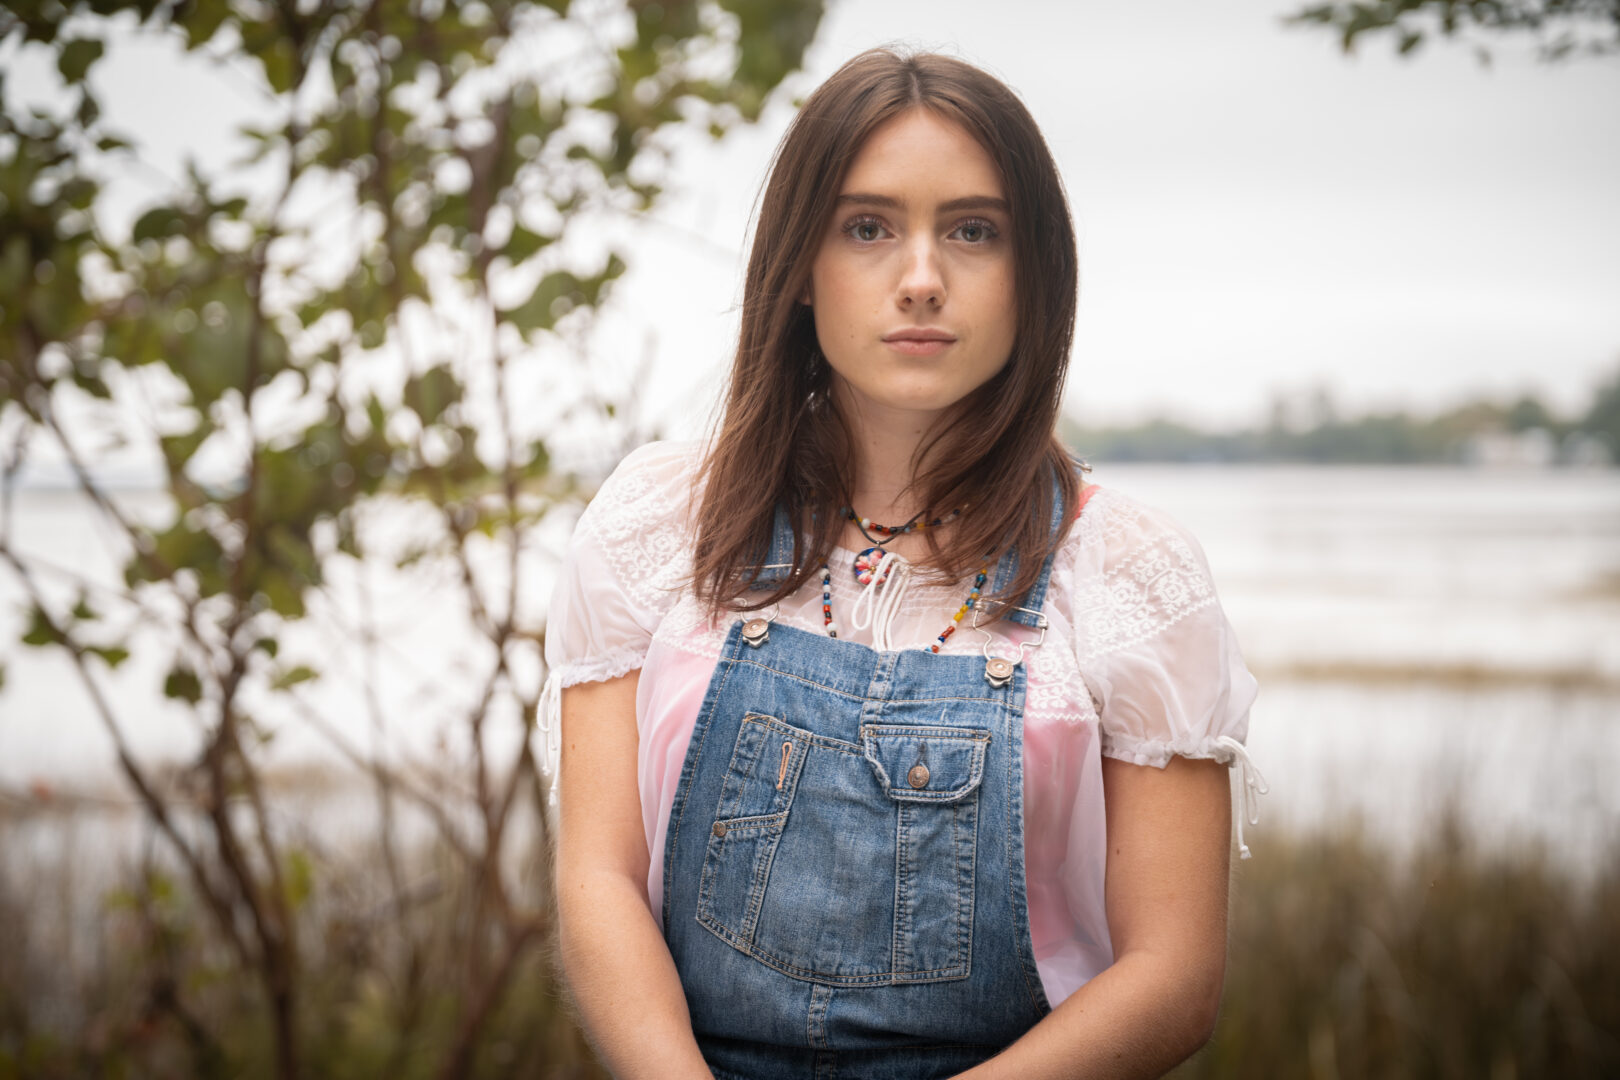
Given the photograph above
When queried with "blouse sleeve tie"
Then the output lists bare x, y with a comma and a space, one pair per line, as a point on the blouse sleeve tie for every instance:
550, 724
1251, 786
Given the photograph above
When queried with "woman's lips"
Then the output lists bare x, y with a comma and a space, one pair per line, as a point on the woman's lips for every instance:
919, 346
922, 343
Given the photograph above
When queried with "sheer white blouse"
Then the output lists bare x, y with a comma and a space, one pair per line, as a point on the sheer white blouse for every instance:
1139, 663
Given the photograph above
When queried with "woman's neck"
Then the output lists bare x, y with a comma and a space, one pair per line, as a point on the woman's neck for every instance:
884, 442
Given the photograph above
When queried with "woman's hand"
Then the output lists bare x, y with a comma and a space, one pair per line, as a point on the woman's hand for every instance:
617, 965
1168, 861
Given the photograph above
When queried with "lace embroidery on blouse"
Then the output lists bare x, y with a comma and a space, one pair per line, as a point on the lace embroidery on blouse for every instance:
1154, 579
1150, 579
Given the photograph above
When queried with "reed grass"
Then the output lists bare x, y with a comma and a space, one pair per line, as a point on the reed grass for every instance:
1461, 959
1458, 960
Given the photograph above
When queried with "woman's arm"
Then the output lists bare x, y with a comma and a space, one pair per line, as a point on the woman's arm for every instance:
1168, 854
615, 960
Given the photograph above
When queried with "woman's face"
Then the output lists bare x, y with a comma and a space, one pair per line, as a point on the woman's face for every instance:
912, 288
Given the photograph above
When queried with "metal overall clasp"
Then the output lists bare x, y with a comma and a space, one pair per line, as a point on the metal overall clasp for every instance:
998, 670
757, 631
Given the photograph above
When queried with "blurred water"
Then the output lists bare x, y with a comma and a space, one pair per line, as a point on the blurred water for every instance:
1424, 638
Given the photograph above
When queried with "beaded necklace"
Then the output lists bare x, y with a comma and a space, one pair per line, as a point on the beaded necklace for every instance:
866, 566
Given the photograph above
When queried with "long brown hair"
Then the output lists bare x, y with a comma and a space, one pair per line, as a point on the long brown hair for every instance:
782, 440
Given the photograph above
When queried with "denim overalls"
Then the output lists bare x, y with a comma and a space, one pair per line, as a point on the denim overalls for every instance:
844, 866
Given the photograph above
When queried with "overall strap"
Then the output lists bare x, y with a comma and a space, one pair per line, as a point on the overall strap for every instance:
1027, 612
778, 562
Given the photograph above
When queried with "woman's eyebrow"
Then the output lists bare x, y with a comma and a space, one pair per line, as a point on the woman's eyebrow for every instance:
889, 202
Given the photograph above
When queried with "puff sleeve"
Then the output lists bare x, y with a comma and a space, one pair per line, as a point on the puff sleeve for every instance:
621, 574
1157, 651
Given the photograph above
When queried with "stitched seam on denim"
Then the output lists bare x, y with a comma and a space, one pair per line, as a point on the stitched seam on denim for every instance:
900, 929
675, 826
802, 733
872, 732
927, 798
965, 734
1015, 795
967, 875
753, 821
906, 1048
972, 700
881, 977
765, 824
732, 788
989, 700
761, 882
816, 1017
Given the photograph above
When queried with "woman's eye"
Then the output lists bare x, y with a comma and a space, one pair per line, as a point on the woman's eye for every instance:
865, 230
976, 232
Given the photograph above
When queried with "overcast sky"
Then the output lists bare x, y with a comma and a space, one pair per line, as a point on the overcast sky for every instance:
1257, 211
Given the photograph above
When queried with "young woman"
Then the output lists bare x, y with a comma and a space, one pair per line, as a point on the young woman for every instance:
889, 748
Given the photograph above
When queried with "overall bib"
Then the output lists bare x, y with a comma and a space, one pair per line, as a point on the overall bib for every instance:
844, 891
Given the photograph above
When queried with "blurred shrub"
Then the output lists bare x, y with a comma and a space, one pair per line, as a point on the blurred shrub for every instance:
1452, 962
366, 313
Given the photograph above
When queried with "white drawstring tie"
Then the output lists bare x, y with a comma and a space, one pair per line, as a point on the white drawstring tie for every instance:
550, 723
880, 598
1228, 751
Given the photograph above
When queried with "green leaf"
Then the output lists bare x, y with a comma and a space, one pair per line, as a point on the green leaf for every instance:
524, 243
89, 111
83, 611
299, 878
76, 57
268, 645
182, 683
178, 449
40, 632
543, 307
159, 223
431, 393
290, 678
203, 18
112, 654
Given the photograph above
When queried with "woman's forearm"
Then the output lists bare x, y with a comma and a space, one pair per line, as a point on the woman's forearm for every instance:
623, 980
1166, 889
615, 960
1138, 1018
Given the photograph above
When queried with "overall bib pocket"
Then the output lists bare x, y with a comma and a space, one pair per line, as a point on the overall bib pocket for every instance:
847, 864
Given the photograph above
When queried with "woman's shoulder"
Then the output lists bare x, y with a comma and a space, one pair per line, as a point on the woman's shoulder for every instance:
652, 485
662, 464
1131, 570
1112, 523
638, 525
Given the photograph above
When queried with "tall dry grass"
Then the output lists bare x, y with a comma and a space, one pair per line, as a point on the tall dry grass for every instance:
1346, 961
1456, 961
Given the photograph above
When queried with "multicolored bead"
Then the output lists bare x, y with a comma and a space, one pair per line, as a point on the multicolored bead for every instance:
866, 564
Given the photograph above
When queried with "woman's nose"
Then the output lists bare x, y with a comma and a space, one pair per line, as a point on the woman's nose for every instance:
922, 280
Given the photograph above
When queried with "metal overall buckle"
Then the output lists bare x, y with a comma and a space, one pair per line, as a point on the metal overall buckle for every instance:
998, 670
757, 631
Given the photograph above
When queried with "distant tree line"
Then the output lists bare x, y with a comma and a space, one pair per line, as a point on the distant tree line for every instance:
1460, 435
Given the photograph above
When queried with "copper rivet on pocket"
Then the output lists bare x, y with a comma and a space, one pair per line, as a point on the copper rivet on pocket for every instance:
918, 776
719, 828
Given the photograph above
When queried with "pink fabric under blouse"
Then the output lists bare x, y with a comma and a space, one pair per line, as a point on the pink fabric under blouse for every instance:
1139, 663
